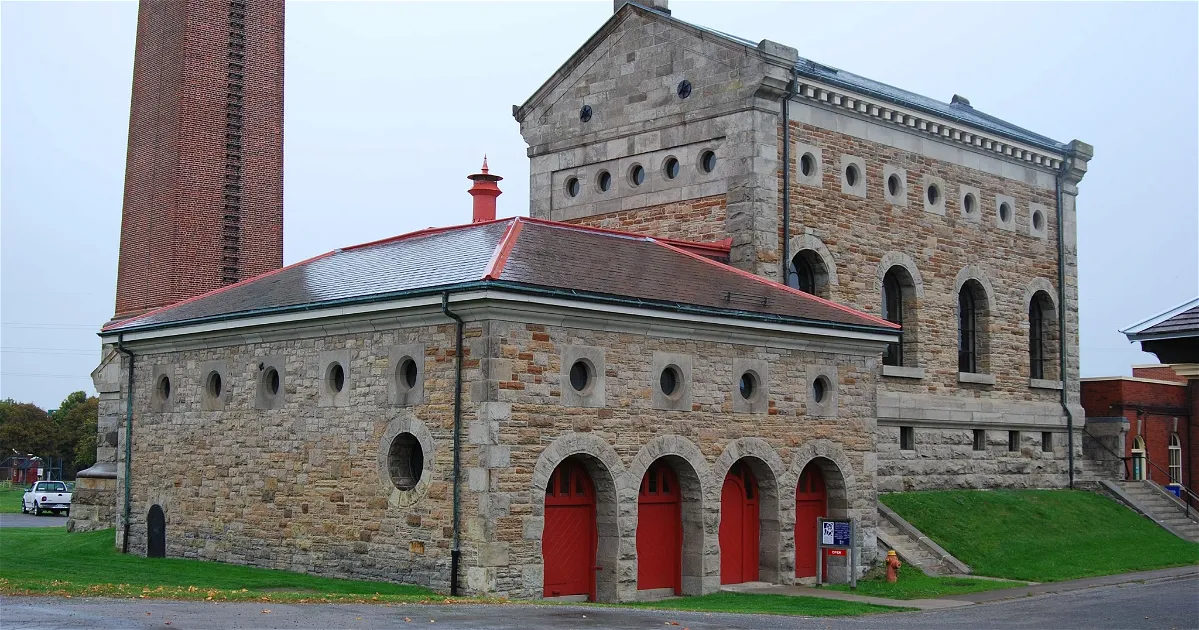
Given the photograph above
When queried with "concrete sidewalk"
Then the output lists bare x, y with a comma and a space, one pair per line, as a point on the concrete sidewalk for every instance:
807, 591
967, 599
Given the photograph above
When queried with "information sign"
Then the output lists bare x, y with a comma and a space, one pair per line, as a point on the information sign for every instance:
836, 537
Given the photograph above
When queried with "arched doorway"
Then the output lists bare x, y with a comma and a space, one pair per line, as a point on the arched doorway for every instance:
156, 533
1138, 459
811, 503
660, 530
568, 542
739, 526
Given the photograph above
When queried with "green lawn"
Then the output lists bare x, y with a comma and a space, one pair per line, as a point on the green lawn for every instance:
766, 604
914, 584
10, 499
43, 561
1041, 535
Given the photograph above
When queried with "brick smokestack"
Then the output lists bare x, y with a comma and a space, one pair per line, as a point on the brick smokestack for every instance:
484, 192
203, 201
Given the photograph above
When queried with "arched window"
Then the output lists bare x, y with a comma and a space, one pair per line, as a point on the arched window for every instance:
1175, 459
1138, 459
967, 331
893, 312
801, 276
1042, 337
808, 273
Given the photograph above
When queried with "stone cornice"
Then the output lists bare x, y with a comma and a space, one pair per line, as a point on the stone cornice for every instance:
921, 122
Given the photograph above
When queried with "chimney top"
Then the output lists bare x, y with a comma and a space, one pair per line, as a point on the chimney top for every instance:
960, 100
484, 191
661, 6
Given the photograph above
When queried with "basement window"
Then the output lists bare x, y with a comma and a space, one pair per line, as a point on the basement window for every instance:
1013, 441
980, 440
1047, 442
907, 439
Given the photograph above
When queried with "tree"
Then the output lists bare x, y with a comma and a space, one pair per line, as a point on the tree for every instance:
26, 428
70, 433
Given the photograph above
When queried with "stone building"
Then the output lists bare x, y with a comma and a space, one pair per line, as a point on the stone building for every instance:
615, 393
614, 398
952, 222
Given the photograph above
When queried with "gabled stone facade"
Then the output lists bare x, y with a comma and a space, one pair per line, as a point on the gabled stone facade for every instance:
943, 200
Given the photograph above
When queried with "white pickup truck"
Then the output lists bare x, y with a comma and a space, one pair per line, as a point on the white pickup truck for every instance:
46, 496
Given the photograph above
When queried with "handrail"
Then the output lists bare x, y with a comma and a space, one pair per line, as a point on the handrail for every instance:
1190, 495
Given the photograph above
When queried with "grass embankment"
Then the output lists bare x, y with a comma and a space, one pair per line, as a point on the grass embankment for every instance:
10, 499
1041, 535
766, 604
914, 584
36, 561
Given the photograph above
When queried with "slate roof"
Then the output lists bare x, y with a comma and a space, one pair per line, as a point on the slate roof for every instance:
517, 254
833, 76
1180, 321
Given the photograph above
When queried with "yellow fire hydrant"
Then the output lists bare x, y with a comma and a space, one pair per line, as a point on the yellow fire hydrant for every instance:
893, 565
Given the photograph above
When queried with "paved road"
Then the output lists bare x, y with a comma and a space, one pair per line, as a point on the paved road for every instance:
1161, 604
29, 520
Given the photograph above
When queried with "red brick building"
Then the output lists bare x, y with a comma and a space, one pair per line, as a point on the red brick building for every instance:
1155, 403
203, 203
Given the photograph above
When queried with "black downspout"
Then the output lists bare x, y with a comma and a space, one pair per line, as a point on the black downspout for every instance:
128, 442
455, 553
1061, 318
791, 86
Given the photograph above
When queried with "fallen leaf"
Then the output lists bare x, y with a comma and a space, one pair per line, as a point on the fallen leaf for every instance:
266, 611
407, 620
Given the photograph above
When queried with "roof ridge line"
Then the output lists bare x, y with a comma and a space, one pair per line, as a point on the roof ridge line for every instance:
587, 228
499, 258
425, 232
122, 323
776, 285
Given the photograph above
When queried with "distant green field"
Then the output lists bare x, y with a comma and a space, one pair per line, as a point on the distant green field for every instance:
1041, 535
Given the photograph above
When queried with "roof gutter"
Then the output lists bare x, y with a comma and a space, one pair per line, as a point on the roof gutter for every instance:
515, 287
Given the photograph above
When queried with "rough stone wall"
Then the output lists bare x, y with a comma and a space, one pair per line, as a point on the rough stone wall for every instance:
303, 485
531, 427
699, 220
629, 76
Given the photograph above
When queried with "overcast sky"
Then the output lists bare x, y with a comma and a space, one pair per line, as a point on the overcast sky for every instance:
390, 105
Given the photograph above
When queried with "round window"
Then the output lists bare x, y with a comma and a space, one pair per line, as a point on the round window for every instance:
1005, 212
1038, 221
707, 161
335, 377
271, 380
934, 194
748, 385
968, 203
573, 187
405, 461
819, 389
585, 113
852, 174
214, 385
670, 168
636, 175
807, 164
604, 181
580, 376
893, 185
671, 381
406, 374
684, 89
163, 388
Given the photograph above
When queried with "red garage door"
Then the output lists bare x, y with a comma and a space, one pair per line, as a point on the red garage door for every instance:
659, 530
811, 503
568, 541
739, 526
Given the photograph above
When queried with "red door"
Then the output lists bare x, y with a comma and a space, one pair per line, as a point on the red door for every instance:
811, 503
739, 526
569, 539
659, 531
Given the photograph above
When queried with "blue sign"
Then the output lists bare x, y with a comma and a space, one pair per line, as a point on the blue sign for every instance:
835, 534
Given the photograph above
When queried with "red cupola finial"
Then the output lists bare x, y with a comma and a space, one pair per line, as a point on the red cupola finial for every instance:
484, 191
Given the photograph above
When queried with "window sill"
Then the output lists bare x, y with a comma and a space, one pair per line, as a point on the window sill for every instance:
1042, 383
899, 371
977, 379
